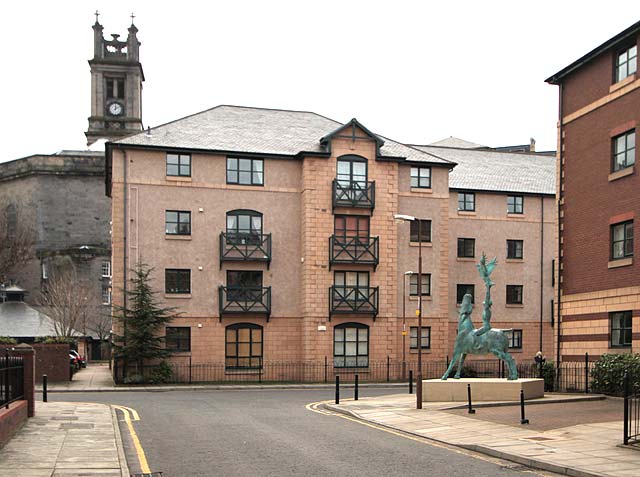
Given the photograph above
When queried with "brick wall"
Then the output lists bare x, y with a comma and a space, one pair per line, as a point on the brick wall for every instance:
11, 420
52, 360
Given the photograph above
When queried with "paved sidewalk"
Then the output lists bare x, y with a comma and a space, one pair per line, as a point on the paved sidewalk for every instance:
95, 377
581, 450
66, 439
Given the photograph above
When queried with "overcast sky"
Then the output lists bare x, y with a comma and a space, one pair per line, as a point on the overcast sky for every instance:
408, 70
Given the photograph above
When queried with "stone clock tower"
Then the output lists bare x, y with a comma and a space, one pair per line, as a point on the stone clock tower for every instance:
116, 86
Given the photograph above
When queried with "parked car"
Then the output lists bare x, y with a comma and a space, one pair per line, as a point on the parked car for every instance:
80, 361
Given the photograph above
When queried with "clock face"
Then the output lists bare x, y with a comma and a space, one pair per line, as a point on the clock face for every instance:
115, 109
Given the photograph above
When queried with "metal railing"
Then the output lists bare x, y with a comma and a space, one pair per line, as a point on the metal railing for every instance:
361, 195
631, 411
350, 299
244, 300
354, 250
245, 247
11, 379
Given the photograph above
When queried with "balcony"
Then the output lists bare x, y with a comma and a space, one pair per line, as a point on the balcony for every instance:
353, 300
353, 251
251, 247
359, 195
241, 300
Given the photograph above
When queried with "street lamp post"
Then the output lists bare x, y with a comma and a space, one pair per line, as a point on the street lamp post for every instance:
404, 324
410, 218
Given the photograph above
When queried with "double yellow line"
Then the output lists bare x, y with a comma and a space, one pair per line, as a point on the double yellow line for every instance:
131, 415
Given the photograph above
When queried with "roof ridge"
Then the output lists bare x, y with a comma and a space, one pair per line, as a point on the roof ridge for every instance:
411, 146
485, 149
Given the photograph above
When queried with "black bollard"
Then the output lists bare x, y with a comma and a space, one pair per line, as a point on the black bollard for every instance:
522, 419
470, 410
337, 389
355, 392
44, 388
411, 381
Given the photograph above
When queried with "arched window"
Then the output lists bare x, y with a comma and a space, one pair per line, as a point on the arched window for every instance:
244, 227
352, 170
11, 220
351, 345
243, 346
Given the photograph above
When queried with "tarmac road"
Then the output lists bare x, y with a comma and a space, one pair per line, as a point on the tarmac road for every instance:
273, 433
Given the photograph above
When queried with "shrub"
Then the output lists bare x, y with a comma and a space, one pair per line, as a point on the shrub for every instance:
161, 374
607, 375
134, 379
549, 375
7, 340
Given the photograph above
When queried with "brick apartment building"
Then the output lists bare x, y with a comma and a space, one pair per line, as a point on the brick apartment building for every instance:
273, 233
599, 276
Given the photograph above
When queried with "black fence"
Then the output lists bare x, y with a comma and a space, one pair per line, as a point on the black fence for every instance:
572, 376
11, 380
631, 411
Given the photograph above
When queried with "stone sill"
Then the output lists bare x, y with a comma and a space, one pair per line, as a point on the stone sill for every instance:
627, 171
424, 244
424, 351
174, 296
514, 305
178, 178
515, 216
466, 212
465, 259
177, 237
422, 190
514, 260
424, 298
621, 262
622, 83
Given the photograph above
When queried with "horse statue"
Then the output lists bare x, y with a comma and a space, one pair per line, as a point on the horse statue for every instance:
481, 340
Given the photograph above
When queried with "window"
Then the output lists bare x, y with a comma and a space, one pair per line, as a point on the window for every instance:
45, 270
177, 222
352, 172
620, 328
622, 240
106, 294
462, 289
514, 249
177, 338
245, 171
243, 346
421, 177
627, 63
515, 204
425, 338
349, 226
244, 285
105, 269
466, 247
179, 165
420, 230
351, 279
514, 294
115, 88
177, 280
466, 201
515, 339
244, 227
11, 219
426, 284
351, 346
624, 151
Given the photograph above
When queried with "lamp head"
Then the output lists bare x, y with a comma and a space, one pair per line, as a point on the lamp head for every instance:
408, 218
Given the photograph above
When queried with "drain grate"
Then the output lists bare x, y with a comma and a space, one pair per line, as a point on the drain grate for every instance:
75, 425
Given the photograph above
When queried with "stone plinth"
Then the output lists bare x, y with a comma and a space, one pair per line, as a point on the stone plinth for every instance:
482, 389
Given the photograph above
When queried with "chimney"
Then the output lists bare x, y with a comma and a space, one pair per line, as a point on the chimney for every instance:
532, 145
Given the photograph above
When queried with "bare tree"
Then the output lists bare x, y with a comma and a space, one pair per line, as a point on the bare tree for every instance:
66, 300
99, 323
17, 237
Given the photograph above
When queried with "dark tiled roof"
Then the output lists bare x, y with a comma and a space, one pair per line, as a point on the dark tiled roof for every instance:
259, 131
499, 171
19, 320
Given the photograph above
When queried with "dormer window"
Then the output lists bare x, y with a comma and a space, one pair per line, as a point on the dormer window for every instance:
626, 63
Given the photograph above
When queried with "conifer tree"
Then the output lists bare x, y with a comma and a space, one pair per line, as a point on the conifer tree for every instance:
141, 322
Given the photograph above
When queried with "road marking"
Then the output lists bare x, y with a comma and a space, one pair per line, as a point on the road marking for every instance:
314, 407
142, 458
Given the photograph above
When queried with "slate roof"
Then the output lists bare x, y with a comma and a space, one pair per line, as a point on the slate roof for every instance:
19, 320
259, 131
456, 142
499, 171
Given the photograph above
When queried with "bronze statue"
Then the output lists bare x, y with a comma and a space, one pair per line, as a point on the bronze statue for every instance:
481, 340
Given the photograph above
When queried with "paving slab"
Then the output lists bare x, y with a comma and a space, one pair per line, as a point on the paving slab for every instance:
584, 450
66, 439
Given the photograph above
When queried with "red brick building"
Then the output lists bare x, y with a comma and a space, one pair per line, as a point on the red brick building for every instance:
598, 294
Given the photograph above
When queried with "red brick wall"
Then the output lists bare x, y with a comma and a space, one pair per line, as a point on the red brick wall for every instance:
591, 200
52, 360
11, 420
